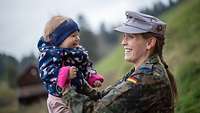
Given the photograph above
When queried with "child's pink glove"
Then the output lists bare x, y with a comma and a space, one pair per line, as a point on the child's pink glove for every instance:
63, 77
95, 80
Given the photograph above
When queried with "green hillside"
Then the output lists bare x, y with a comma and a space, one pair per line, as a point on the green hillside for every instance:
182, 52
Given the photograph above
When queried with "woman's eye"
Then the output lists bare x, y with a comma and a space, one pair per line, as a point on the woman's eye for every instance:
129, 35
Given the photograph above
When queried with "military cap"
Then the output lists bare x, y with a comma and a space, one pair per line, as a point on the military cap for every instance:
141, 23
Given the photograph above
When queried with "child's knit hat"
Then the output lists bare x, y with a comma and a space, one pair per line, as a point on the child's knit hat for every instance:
64, 30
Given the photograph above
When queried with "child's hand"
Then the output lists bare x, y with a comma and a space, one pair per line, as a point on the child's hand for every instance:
97, 83
72, 72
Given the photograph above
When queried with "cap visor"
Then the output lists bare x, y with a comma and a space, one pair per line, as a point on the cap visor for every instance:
129, 29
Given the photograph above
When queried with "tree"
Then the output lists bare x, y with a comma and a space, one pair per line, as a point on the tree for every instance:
27, 61
88, 38
8, 69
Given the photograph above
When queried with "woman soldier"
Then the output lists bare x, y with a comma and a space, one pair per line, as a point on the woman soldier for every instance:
149, 87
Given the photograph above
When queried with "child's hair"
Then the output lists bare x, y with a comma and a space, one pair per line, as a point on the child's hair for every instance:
52, 24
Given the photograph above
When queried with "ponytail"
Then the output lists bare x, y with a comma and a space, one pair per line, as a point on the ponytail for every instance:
158, 50
171, 79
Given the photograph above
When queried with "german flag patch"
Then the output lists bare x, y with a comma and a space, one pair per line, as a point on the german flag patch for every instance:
132, 80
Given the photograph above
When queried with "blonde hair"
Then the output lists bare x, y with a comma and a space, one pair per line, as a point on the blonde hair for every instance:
159, 50
52, 24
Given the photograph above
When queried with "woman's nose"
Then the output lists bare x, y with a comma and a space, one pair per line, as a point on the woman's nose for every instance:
124, 40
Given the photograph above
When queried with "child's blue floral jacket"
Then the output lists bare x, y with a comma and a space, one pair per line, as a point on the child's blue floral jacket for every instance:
52, 58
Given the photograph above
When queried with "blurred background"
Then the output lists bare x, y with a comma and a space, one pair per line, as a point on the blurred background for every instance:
22, 23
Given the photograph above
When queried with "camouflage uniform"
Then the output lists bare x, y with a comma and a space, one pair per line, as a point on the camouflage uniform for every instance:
146, 90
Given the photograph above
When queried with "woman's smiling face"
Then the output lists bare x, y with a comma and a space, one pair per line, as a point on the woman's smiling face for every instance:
134, 47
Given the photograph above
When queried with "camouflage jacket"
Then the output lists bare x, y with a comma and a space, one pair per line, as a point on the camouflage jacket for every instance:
145, 90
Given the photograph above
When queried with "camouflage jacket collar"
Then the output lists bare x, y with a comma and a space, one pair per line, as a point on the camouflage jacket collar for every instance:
146, 67
154, 59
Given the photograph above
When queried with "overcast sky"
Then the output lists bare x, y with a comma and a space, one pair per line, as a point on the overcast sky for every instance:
22, 21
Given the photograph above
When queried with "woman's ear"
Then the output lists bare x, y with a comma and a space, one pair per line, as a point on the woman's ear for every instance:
151, 43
